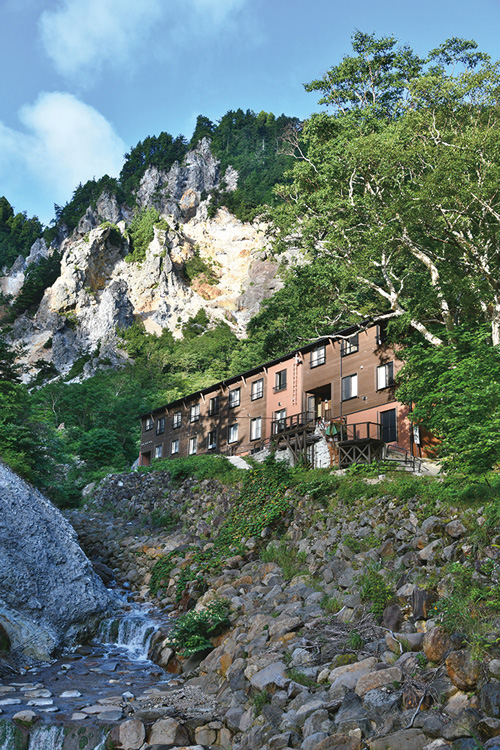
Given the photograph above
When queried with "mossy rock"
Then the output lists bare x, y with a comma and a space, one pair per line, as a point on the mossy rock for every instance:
342, 659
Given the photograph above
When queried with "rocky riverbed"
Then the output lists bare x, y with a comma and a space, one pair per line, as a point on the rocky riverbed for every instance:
304, 663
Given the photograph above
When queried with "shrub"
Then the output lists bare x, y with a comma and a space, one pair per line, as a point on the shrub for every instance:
141, 233
191, 632
374, 589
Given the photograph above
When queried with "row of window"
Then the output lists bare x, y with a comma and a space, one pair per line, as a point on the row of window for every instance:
232, 437
349, 389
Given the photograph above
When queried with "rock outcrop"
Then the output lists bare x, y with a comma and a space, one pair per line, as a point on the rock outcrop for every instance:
49, 594
99, 289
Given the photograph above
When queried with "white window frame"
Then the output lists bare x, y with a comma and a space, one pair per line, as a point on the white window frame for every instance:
149, 423
160, 425
234, 397
158, 451
194, 412
193, 445
257, 389
256, 428
352, 391
214, 406
176, 420
385, 376
232, 435
212, 445
318, 356
174, 446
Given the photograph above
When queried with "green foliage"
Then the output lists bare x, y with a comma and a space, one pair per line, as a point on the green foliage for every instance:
192, 632
251, 144
456, 390
84, 196
374, 589
17, 233
201, 467
299, 677
260, 504
38, 278
198, 266
141, 233
259, 701
330, 604
167, 520
355, 641
159, 151
291, 562
471, 607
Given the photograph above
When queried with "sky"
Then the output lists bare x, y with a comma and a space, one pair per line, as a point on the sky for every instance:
85, 80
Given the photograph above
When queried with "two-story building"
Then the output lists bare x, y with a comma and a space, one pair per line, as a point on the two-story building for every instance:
338, 391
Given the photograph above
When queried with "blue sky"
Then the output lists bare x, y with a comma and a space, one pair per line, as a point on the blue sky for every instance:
85, 80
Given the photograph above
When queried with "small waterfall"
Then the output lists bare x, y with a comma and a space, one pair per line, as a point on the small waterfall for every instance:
132, 633
47, 738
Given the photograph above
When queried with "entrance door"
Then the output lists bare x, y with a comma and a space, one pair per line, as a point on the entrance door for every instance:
388, 425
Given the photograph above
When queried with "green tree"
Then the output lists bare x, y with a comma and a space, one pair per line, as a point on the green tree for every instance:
454, 391
397, 187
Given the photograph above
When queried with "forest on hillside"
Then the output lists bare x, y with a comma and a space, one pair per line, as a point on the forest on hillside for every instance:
391, 193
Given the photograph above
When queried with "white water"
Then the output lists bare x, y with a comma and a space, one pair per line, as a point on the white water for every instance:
47, 738
132, 633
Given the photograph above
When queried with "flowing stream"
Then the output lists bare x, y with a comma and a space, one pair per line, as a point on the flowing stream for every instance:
95, 676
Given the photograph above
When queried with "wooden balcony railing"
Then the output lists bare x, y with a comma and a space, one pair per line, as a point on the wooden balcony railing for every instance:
359, 431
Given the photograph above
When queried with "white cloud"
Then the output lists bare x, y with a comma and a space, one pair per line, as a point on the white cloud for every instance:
81, 36
64, 142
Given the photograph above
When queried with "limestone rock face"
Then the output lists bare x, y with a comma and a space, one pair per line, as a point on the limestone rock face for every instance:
49, 593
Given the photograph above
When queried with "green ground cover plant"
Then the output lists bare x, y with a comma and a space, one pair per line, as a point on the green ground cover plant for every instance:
192, 632
260, 504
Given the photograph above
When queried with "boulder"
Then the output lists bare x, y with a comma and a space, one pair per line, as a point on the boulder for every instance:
462, 670
436, 644
50, 595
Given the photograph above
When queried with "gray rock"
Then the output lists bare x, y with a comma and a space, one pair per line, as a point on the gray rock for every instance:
49, 593
272, 674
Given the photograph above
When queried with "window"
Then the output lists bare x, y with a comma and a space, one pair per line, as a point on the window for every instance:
318, 356
177, 420
279, 420
213, 406
349, 387
174, 448
233, 433
256, 428
234, 397
212, 440
385, 376
194, 413
350, 345
381, 332
193, 442
148, 423
280, 383
160, 426
257, 389
158, 451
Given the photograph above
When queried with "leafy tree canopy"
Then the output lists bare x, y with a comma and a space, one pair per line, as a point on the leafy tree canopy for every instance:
17, 233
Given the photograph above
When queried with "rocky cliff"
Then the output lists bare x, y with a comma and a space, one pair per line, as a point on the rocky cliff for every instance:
49, 594
100, 289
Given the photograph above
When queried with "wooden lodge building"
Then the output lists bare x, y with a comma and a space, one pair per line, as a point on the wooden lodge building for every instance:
330, 402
